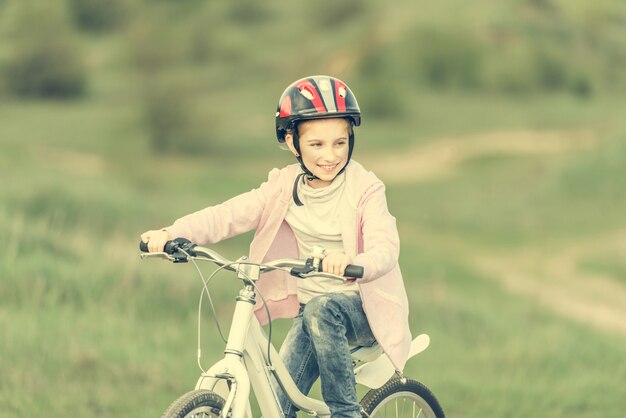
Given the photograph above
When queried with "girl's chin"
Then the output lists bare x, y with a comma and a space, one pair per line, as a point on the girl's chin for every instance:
325, 176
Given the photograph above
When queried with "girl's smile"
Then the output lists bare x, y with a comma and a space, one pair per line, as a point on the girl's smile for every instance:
329, 168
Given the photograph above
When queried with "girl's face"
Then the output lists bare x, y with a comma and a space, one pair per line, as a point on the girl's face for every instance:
324, 147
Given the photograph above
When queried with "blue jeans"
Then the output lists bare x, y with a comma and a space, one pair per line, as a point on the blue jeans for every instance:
318, 345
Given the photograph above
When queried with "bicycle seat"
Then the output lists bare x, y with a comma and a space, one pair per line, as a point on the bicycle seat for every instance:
362, 354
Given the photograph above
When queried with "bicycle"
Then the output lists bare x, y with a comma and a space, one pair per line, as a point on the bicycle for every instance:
251, 361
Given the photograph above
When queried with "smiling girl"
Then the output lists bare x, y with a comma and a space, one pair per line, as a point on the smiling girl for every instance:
325, 200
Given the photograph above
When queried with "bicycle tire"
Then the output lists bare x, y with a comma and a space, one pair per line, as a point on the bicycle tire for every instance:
401, 398
196, 404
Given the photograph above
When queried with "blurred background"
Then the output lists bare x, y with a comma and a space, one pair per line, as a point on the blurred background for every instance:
498, 128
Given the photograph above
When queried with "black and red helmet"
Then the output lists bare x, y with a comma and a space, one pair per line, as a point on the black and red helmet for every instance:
316, 97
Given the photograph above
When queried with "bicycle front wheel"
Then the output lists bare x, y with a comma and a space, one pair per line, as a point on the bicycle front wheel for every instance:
196, 404
400, 398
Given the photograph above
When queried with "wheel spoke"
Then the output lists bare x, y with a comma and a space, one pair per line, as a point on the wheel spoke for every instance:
419, 413
403, 404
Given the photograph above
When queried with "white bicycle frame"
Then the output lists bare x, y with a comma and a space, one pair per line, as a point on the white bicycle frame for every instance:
246, 363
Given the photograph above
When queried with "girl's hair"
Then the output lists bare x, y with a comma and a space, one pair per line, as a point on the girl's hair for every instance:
349, 125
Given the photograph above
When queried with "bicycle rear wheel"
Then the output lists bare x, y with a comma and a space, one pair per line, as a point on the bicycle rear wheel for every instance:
400, 398
196, 404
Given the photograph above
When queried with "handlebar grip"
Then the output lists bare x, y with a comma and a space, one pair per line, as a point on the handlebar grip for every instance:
170, 246
353, 271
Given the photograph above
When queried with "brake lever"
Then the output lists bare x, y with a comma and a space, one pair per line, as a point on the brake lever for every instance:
301, 272
157, 255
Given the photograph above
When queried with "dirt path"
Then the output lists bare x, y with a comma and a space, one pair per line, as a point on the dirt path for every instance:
443, 156
552, 278
549, 277
555, 280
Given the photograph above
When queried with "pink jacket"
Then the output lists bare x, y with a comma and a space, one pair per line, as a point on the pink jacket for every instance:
369, 233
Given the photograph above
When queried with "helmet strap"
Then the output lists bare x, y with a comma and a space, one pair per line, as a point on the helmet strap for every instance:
294, 192
296, 144
350, 149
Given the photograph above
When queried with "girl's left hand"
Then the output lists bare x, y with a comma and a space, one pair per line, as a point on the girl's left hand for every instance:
336, 263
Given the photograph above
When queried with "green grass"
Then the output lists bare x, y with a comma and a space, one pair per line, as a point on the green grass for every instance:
84, 315
492, 351
81, 313
611, 264
90, 361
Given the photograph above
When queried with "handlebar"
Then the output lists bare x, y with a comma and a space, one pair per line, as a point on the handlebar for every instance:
180, 250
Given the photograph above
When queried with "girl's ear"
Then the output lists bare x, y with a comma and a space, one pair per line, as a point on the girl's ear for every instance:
289, 142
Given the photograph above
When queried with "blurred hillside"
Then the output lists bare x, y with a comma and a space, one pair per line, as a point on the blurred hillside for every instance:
497, 127
194, 69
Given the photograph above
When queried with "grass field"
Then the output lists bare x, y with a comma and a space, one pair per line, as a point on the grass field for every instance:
514, 262
510, 209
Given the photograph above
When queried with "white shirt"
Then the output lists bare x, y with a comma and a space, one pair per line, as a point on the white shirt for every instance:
317, 223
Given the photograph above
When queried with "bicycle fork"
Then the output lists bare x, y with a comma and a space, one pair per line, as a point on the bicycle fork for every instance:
230, 369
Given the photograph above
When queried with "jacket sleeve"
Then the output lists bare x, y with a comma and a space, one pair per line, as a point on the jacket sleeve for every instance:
240, 214
381, 243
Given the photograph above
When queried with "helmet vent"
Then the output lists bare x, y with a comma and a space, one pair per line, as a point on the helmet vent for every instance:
306, 94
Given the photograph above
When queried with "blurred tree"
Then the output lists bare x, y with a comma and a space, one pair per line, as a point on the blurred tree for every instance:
167, 93
166, 113
333, 14
202, 40
248, 11
99, 15
45, 59
381, 98
551, 67
448, 58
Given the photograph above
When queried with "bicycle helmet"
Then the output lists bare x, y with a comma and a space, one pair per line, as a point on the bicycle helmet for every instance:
315, 97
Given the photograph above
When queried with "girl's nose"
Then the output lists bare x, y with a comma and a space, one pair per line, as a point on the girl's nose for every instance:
329, 154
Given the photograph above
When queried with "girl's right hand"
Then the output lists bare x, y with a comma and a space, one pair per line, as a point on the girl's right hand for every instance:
156, 239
